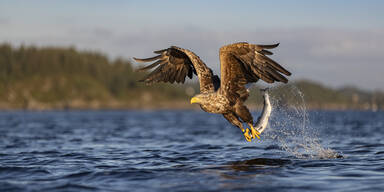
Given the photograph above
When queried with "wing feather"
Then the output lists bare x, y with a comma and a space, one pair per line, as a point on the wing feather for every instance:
276, 75
174, 65
267, 46
243, 63
266, 52
160, 51
159, 62
153, 75
147, 59
274, 64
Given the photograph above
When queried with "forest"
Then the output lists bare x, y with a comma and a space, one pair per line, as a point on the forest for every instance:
60, 78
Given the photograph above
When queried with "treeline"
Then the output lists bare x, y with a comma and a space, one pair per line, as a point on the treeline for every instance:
51, 77
65, 78
318, 96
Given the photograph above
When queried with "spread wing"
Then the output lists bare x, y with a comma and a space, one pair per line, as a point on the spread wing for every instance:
243, 63
175, 64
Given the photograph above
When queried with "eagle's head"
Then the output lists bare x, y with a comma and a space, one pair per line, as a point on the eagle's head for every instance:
200, 99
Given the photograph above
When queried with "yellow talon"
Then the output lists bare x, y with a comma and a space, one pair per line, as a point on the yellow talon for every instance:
254, 132
247, 136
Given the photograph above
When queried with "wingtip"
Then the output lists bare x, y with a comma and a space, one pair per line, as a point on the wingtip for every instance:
138, 60
160, 51
286, 72
270, 46
147, 59
276, 45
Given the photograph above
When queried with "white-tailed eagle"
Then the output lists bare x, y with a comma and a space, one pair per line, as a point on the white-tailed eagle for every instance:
240, 64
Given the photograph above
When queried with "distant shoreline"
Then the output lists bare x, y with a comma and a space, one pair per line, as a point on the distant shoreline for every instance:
175, 106
59, 78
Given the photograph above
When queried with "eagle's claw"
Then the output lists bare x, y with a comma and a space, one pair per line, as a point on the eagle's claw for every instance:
247, 136
254, 132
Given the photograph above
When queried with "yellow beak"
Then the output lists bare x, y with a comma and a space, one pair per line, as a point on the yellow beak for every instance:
195, 100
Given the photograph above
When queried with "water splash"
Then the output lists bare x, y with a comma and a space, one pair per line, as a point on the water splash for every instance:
290, 126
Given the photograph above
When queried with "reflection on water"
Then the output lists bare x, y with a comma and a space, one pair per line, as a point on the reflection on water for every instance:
186, 151
258, 163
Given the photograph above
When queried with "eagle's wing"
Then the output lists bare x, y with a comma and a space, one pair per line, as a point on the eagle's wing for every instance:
243, 63
174, 64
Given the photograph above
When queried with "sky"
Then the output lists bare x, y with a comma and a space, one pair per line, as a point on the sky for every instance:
337, 43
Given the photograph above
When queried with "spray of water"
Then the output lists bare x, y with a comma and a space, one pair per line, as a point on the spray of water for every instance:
290, 127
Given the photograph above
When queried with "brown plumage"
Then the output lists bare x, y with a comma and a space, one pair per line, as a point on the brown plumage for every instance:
241, 63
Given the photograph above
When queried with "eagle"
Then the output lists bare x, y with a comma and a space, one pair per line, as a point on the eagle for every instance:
240, 64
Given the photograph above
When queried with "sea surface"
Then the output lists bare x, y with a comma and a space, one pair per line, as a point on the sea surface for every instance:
190, 151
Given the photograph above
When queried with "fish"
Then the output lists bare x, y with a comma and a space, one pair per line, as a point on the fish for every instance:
262, 121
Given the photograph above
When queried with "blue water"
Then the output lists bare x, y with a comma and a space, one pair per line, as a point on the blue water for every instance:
189, 151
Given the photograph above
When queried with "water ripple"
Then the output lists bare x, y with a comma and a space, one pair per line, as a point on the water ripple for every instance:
170, 151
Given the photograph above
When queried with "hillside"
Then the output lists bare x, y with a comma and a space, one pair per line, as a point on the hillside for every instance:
65, 78
45, 78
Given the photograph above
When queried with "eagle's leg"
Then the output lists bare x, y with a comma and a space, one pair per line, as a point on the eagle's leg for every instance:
254, 132
236, 122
